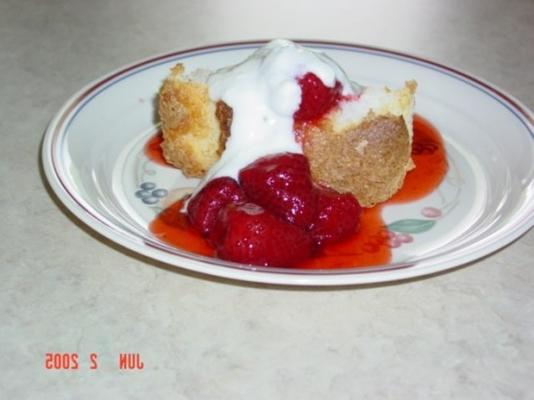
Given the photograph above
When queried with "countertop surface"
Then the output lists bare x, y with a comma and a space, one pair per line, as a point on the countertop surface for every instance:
464, 334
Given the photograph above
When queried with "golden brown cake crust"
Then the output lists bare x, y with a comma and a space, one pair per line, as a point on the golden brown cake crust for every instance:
224, 114
369, 160
191, 131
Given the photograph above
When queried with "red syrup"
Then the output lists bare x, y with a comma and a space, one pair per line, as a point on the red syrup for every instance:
369, 246
153, 149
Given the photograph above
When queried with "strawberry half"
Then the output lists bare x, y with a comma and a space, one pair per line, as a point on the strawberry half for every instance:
317, 99
338, 216
281, 183
247, 233
203, 209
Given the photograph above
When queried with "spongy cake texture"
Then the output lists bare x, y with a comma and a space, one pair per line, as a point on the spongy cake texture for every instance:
369, 160
369, 153
194, 127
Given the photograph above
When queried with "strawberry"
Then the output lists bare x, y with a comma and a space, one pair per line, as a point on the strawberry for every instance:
317, 99
338, 216
204, 208
247, 233
281, 183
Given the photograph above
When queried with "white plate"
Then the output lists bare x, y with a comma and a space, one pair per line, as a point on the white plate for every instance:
93, 158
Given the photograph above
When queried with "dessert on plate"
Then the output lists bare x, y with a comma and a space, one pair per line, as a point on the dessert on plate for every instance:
288, 149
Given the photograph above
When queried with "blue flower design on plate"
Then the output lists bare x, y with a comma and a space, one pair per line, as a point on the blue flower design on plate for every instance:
148, 193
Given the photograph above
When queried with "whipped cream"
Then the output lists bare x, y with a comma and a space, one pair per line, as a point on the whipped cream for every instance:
379, 101
264, 94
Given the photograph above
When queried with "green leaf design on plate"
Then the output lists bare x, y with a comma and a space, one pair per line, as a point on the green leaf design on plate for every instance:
411, 225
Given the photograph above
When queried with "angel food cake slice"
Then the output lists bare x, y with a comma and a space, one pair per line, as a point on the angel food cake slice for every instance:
287, 98
364, 146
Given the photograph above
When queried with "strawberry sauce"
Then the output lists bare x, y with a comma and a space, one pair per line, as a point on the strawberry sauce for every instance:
172, 226
367, 247
153, 149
